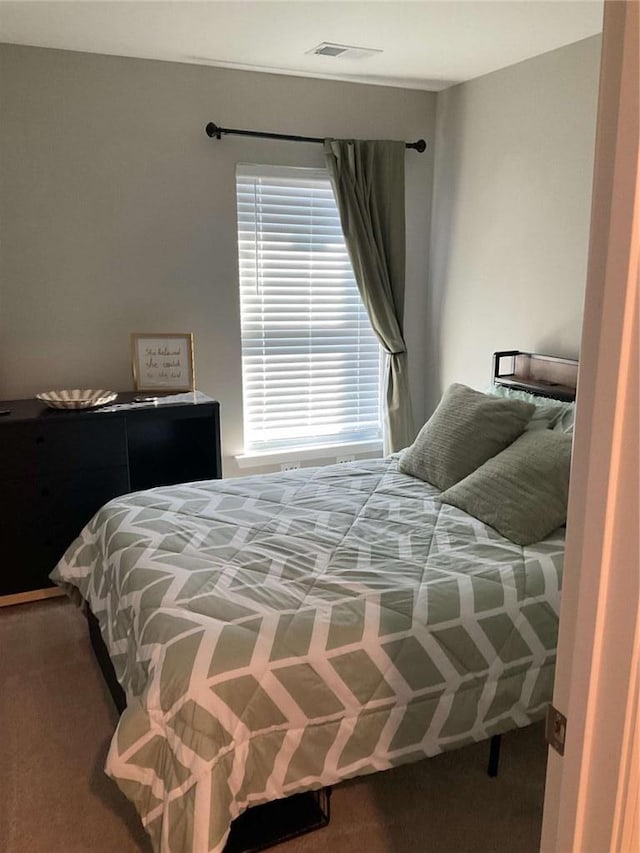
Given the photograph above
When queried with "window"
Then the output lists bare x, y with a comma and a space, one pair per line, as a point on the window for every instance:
310, 360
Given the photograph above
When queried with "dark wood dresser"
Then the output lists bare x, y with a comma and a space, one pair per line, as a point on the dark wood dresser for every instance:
58, 467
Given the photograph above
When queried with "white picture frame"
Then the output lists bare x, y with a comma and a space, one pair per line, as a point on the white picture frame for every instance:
162, 361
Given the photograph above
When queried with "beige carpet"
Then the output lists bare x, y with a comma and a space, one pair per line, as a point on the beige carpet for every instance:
56, 720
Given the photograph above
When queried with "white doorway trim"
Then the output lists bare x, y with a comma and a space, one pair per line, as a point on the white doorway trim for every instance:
591, 799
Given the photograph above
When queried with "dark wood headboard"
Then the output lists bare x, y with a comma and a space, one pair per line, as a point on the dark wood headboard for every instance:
545, 375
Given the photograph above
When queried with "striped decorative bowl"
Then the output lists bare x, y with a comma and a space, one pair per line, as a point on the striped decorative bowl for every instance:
76, 399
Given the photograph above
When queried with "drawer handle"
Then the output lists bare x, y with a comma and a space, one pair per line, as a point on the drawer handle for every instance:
40, 439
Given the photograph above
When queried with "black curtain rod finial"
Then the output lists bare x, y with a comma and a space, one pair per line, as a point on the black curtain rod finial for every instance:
213, 130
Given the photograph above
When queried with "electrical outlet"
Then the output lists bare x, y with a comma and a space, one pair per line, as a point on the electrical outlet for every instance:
289, 466
341, 459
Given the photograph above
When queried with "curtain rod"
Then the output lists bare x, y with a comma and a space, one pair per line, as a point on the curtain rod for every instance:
212, 130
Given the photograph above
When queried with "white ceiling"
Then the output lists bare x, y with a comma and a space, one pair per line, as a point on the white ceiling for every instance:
426, 45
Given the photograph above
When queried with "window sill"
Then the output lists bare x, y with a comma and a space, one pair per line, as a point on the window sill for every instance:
305, 453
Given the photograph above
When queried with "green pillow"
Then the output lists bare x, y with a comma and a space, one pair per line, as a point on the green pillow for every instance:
522, 492
466, 429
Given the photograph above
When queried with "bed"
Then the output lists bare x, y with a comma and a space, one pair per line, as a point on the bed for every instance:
280, 633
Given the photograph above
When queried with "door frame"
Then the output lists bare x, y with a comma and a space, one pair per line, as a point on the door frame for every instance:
591, 797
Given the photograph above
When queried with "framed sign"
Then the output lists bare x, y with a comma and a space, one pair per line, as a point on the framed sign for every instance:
163, 362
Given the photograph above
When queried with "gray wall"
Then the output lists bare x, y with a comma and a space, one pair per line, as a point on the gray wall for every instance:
117, 214
511, 210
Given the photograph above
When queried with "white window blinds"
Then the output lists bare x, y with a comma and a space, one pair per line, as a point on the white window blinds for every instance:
310, 361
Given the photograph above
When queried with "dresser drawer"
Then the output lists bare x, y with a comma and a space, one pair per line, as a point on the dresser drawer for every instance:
39, 506
26, 564
34, 448
40, 517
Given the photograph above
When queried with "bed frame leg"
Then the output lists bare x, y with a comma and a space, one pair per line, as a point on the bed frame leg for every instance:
494, 755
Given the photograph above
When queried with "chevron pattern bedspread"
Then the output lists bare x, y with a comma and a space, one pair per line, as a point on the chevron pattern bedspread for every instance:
284, 632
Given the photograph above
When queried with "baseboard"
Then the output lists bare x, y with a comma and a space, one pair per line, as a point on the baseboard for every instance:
31, 595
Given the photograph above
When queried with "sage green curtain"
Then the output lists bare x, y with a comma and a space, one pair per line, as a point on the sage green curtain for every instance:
368, 182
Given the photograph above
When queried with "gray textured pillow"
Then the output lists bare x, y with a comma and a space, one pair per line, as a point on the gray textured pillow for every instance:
466, 429
522, 492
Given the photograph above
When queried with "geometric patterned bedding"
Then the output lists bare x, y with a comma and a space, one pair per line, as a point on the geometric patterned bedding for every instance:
283, 632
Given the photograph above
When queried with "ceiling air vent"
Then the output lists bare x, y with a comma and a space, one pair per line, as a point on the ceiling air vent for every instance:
343, 51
